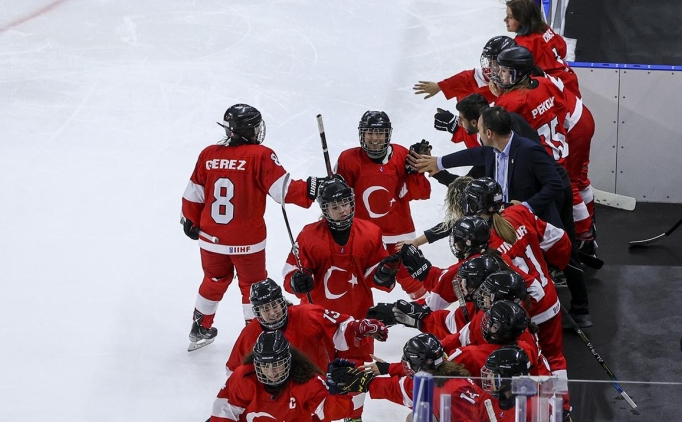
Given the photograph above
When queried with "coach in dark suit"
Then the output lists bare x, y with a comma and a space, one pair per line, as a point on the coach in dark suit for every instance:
530, 177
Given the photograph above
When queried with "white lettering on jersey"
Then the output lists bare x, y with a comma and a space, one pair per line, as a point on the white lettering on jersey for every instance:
469, 396
548, 35
251, 416
543, 107
292, 402
328, 293
274, 158
224, 164
365, 200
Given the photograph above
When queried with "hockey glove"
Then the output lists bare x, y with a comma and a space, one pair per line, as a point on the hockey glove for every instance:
383, 312
368, 327
445, 121
414, 261
349, 380
302, 281
314, 184
384, 275
410, 314
190, 230
421, 148
332, 386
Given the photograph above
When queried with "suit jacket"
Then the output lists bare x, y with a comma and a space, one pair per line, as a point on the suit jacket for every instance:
531, 174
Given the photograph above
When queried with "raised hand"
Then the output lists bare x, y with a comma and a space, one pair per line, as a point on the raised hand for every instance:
410, 314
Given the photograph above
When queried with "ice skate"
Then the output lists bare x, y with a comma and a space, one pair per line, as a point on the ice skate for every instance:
199, 336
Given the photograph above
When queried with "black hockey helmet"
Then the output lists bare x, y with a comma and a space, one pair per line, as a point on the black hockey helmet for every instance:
336, 197
502, 285
469, 235
500, 366
471, 275
266, 299
491, 50
422, 352
504, 322
482, 195
516, 63
243, 124
375, 122
272, 357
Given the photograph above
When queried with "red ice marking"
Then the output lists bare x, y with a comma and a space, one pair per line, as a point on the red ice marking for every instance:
32, 15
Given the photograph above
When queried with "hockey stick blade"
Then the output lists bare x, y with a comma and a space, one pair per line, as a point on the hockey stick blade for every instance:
591, 261
614, 200
198, 345
655, 238
597, 356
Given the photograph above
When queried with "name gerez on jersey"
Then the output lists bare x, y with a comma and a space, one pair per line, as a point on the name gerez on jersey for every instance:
223, 164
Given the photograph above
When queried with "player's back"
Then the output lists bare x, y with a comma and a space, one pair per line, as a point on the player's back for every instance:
236, 180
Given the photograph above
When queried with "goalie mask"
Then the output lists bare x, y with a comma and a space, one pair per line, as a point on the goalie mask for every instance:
469, 235
243, 125
423, 352
482, 195
268, 304
514, 65
471, 274
272, 358
337, 201
504, 322
375, 131
500, 366
502, 285
490, 52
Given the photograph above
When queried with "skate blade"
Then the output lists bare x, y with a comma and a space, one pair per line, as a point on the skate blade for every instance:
198, 345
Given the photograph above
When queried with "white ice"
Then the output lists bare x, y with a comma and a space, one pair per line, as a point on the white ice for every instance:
104, 108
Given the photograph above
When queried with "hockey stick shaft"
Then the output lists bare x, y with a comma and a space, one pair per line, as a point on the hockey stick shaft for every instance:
325, 150
294, 247
590, 261
655, 238
583, 337
203, 234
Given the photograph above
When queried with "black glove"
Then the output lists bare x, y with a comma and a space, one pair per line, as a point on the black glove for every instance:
446, 121
421, 148
414, 261
190, 230
315, 184
382, 367
302, 281
382, 312
410, 314
384, 275
349, 380
332, 386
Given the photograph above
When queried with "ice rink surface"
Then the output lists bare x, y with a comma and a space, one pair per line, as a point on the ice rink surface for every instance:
105, 108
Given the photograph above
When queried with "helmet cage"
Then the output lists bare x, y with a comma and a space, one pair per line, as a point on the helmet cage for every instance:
487, 64
337, 203
373, 152
491, 382
277, 306
272, 372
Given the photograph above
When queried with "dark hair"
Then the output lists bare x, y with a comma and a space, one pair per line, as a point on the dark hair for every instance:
302, 369
497, 119
472, 105
529, 15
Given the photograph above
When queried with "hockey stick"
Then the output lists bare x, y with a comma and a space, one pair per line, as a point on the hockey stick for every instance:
614, 200
294, 246
583, 337
590, 261
325, 151
655, 238
205, 235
